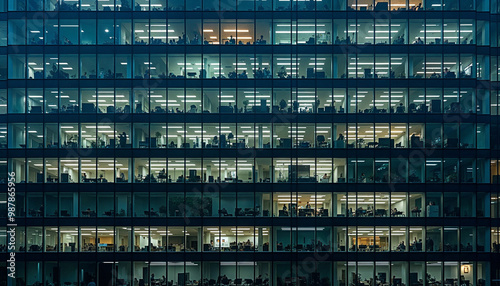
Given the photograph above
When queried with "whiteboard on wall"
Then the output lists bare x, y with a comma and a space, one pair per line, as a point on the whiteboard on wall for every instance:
222, 241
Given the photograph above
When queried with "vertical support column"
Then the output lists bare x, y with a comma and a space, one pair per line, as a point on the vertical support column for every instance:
179, 141
335, 68
409, 67
260, 239
209, 172
260, 135
75, 204
334, 136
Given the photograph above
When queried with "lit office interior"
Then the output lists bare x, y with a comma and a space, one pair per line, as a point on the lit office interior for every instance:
214, 136
250, 101
248, 66
250, 239
261, 170
245, 5
252, 143
245, 205
452, 31
259, 272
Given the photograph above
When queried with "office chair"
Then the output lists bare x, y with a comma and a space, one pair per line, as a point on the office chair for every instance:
321, 141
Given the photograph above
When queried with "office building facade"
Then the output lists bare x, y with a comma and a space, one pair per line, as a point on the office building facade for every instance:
266, 142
